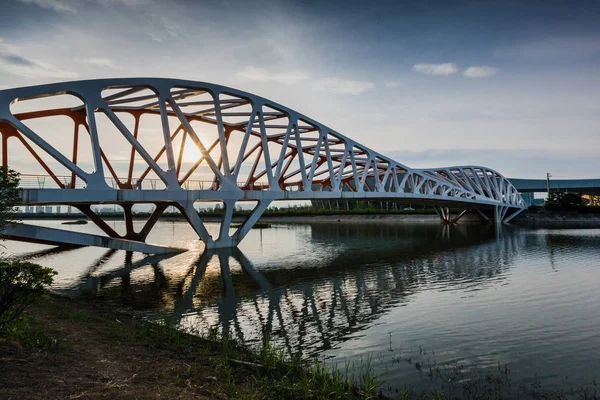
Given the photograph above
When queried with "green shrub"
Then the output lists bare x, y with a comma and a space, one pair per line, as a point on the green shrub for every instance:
21, 283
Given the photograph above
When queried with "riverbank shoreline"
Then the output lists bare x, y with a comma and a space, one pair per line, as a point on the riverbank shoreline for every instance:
78, 349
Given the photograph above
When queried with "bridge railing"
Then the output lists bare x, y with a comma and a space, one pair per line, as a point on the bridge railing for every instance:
30, 181
33, 181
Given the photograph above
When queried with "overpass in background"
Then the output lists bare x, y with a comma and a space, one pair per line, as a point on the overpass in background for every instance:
584, 186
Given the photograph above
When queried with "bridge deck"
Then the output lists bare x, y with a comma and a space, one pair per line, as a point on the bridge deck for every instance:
125, 196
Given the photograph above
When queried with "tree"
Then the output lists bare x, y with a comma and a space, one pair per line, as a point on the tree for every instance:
563, 201
21, 283
9, 194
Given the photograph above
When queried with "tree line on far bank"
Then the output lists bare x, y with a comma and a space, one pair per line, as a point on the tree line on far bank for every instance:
569, 201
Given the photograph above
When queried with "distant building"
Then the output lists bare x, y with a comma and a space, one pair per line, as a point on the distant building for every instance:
528, 198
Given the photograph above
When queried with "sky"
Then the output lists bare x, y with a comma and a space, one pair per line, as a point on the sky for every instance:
511, 85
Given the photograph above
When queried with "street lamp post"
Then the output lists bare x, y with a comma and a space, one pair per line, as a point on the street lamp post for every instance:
548, 175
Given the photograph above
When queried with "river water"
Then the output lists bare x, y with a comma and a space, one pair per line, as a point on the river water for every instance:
398, 297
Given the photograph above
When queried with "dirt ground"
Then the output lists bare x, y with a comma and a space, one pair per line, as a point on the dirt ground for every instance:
82, 355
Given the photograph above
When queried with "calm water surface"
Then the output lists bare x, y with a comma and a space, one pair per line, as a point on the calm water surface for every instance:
469, 294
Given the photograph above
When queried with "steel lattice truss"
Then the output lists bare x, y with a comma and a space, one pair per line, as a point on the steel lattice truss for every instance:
173, 142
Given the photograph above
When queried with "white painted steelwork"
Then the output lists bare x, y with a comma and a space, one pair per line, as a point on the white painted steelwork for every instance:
248, 149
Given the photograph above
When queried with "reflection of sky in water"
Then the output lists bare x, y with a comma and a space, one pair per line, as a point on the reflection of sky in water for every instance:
528, 298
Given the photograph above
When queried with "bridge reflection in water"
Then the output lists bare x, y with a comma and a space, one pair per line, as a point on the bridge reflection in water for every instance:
308, 309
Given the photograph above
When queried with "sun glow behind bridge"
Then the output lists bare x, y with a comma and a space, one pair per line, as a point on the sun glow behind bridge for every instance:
191, 152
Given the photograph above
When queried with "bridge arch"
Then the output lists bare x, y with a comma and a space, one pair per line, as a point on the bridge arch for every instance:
174, 142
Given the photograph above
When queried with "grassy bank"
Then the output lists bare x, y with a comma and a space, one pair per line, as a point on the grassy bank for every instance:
71, 349
63, 348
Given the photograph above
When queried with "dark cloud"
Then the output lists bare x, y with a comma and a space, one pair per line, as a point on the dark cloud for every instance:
17, 60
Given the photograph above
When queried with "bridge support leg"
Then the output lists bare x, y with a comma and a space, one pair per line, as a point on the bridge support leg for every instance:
514, 214
499, 213
459, 216
488, 219
99, 222
232, 241
444, 213
229, 208
224, 240
130, 233
156, 214
190, 213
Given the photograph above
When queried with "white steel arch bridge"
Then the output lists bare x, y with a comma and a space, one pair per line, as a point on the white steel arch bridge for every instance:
173, 142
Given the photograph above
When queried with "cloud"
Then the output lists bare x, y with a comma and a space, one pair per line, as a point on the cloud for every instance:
14, 63
127, 3
436, 69
254, 74
56, 5
393, 84
66, 6
333, 85
342, 86
480, 71
257, 74
159, 27
33, 69
98, 62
